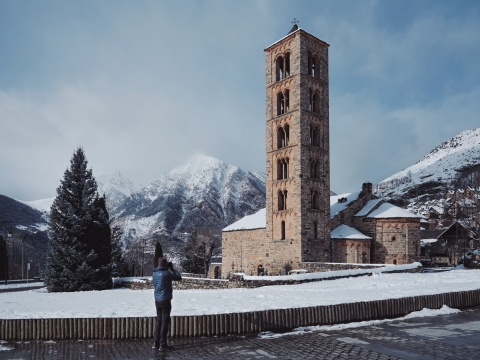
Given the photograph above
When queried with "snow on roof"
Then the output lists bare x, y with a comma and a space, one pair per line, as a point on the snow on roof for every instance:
437, 209
336, 207
348, 232
387, 210
249, 222
368, 207
423, 242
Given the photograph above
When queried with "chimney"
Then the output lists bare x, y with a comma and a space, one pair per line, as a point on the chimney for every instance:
367, 188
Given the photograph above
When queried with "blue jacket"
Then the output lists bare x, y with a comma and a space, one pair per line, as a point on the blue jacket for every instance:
162, 283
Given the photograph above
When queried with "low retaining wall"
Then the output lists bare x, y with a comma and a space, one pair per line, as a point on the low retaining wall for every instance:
238, 281
229, 324
322, 267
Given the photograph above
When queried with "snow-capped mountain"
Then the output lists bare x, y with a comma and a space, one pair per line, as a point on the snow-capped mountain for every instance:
119, 186
203, 192
449, 164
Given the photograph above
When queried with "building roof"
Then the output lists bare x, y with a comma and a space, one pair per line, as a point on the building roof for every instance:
250, 222
293, 31
348, 232
368, 207
387, 210
336, 207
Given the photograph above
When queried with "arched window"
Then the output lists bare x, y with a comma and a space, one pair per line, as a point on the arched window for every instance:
282, 169
287, 100
281, 201
280, 69
316, 102
314, 199
316, 137
310, 60
287, 134
280, 104
283, 229
395, 262
280, 138
315, 230
316, 67
285, 193
310, 100
314, 170
364, 258
287, 64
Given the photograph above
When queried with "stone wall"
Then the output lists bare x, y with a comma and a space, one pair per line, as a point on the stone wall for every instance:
397, 241
351, 251
244, 251
323, 267
238, 280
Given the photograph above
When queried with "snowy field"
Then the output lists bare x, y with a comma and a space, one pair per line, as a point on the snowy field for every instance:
14, 286
125, 302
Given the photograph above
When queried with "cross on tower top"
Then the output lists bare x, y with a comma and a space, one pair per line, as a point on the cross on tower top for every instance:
295, 21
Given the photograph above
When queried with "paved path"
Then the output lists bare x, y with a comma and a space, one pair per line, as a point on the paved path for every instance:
443, 337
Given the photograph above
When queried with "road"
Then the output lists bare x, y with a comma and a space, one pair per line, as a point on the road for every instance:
444, 337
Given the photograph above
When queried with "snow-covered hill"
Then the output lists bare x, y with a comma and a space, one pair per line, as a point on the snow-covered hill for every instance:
203, 192
449, 163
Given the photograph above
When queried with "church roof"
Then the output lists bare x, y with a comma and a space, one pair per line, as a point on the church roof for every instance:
336, 207
387, 210
368, 207
348, 232
293, 31
250, 222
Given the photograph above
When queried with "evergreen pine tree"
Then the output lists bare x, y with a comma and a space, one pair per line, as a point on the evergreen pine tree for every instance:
119, 265
79, 233
158, 254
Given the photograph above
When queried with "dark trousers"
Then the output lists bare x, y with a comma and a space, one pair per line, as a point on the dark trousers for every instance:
163, 320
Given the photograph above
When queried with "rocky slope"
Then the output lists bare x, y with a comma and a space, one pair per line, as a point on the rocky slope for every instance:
454, 163
203, 192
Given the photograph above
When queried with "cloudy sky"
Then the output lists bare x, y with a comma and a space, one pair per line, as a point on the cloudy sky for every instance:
144, 85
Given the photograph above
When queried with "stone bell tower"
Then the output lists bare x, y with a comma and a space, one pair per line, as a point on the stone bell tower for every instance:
298, 160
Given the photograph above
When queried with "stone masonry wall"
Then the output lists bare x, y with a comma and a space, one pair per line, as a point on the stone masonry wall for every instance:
244, 251
322, 267
351, 251
397, 241
238, 281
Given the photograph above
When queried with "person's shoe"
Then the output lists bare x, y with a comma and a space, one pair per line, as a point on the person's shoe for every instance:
166, 348
156, 345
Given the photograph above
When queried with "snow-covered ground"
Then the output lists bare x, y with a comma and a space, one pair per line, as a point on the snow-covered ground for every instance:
425, 312
14, 286
125, 302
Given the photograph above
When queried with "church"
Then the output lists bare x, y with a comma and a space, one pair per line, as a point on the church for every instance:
302, 224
